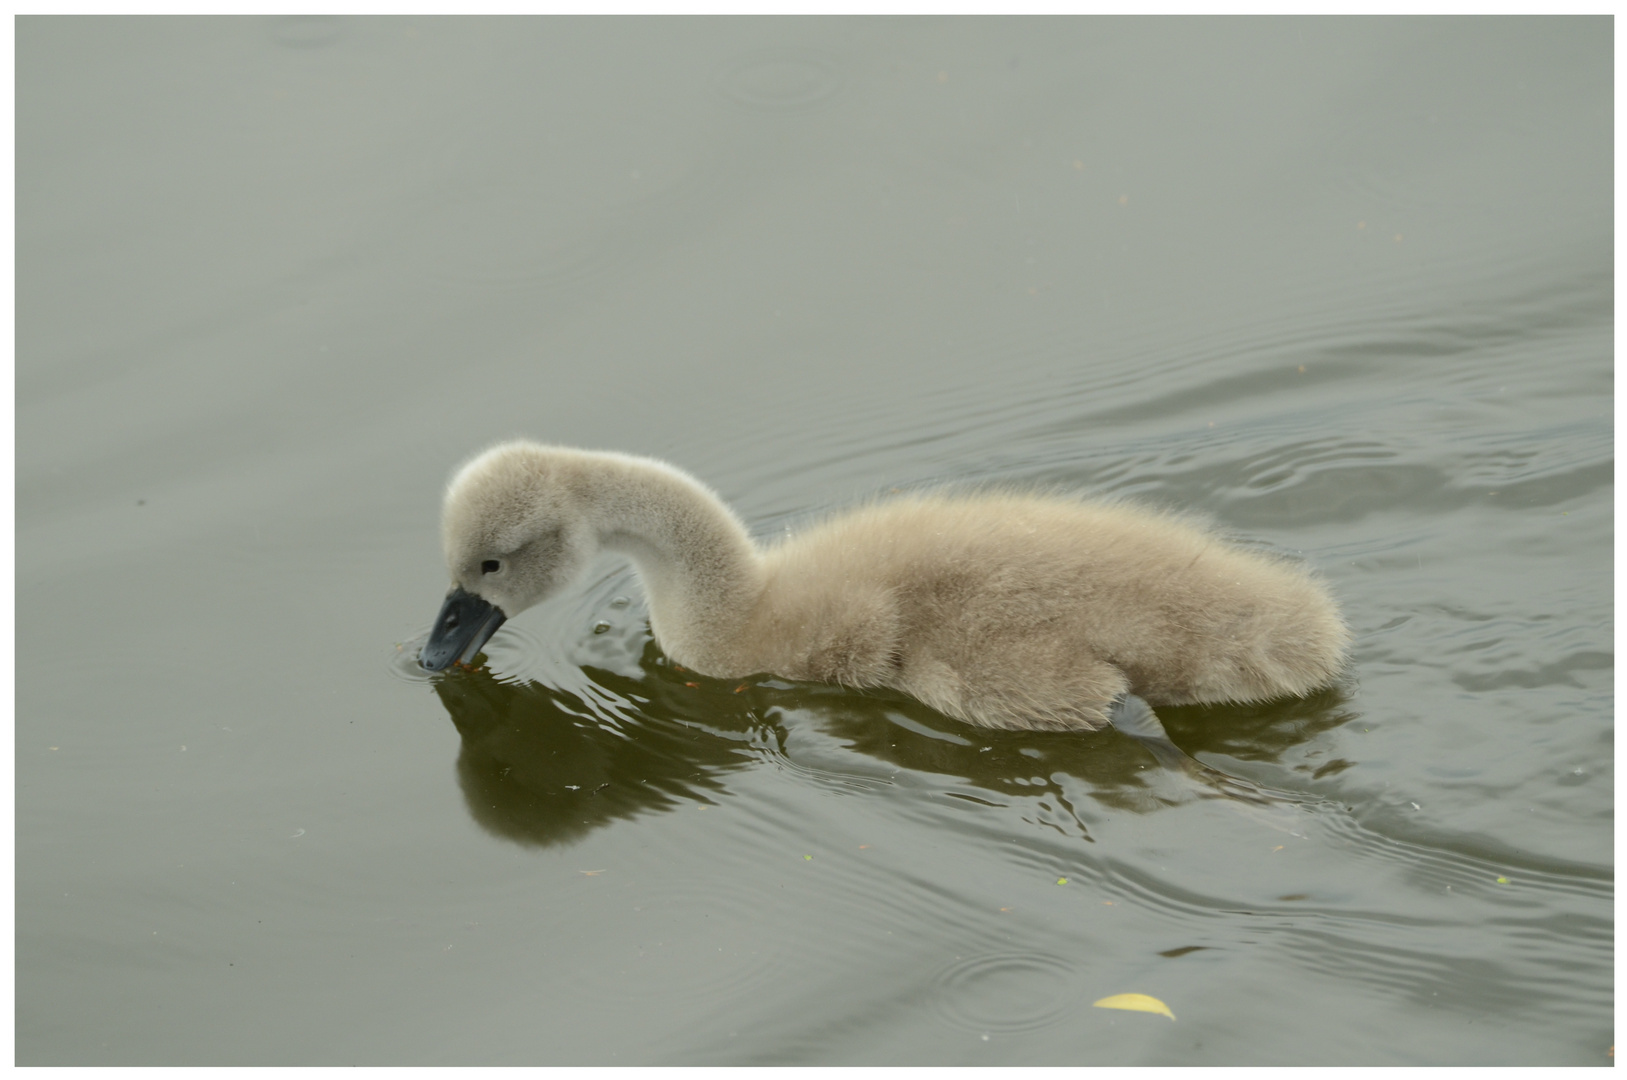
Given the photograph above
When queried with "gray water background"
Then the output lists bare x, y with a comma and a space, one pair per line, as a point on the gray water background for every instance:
1344, 285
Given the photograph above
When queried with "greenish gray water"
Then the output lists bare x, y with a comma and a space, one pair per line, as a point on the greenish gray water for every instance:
1343, 285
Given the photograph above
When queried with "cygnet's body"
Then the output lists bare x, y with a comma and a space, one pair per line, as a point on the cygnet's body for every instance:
1004, 610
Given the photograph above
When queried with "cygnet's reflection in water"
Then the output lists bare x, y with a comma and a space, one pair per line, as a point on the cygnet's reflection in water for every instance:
541, 765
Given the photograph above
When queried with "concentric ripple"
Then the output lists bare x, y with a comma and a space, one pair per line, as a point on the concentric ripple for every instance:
402, 659
1013, 991
784, 80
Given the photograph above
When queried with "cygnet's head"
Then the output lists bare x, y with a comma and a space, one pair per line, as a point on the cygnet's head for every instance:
514, 534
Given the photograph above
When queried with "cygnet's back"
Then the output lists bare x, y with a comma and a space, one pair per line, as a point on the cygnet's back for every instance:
1019, 611
1001, 609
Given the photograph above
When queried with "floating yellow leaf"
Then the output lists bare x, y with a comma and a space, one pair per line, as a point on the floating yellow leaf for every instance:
1134, 1003
1061, 881
1502, 880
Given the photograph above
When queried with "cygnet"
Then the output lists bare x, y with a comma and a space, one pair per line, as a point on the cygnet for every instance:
999, 608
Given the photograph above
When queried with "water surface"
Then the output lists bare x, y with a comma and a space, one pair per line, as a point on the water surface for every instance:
1345, 286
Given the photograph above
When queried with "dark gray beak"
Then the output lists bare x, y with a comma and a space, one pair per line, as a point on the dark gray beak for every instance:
465, 624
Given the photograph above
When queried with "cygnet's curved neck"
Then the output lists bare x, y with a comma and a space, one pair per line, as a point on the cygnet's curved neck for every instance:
703, 574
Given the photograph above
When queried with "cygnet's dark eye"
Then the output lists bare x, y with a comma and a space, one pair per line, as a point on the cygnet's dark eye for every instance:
490, 566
